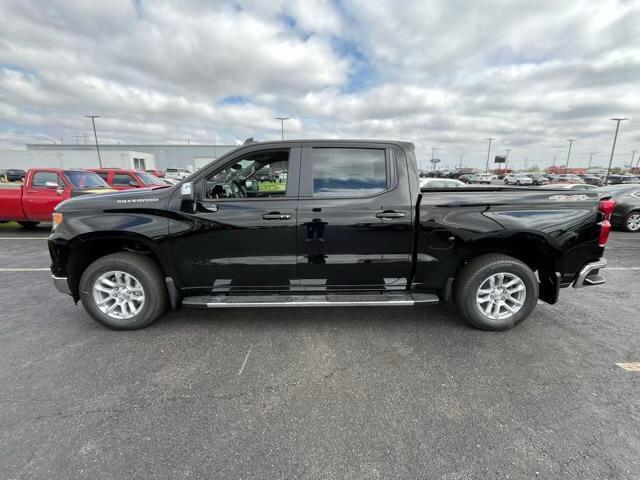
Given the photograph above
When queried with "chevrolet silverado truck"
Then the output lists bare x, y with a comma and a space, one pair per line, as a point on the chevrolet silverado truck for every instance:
33, 201
349, 227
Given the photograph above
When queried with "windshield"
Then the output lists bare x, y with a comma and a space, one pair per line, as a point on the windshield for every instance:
149, 179
85, 180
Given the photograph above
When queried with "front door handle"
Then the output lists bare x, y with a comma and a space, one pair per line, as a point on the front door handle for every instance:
276, 216
212, 207
390, 214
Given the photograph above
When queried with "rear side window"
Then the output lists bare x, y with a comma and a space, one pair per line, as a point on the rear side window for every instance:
103, 175
40, 179
348, 172
122, 180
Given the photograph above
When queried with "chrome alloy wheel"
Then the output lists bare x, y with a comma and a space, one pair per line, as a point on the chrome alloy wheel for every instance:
633, 222
118, 294
501, 296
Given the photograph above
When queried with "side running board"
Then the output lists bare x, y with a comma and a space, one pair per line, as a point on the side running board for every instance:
243, 301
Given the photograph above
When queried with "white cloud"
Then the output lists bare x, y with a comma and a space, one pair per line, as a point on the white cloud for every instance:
446, 73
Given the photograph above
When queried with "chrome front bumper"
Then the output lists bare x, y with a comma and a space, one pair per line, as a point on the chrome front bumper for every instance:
61, 284
586, 277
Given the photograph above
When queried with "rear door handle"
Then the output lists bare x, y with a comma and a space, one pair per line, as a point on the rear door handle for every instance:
390, 214
276, 216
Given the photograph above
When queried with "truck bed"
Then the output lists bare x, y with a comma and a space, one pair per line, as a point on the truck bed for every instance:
11, 201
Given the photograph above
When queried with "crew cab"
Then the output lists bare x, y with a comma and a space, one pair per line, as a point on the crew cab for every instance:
44, 188
123, 179
349, 227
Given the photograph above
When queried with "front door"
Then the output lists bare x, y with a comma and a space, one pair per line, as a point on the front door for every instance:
242, 235
354, 220
41, 197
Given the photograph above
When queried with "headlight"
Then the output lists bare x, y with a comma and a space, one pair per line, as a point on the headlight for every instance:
56, 218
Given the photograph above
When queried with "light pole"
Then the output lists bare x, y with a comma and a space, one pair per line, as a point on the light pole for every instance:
282, 120
93, 121
566, 166
613, 147
433, 154
506, 160
590, 159
633, 155
486, 168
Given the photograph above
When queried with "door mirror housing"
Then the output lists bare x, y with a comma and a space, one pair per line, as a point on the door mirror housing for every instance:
133, 183
186, 192
252, 185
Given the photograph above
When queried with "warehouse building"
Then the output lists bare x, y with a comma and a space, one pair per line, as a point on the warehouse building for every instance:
190, 157
61, 158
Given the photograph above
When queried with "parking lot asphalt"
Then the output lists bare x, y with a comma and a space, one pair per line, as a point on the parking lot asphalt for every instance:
318, 393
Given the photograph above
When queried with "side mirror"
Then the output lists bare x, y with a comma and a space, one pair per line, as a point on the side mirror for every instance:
133, 183
187, 198
186, 192
252, 185
51, 185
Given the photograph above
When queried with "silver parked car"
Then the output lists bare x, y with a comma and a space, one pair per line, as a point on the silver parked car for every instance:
517, 179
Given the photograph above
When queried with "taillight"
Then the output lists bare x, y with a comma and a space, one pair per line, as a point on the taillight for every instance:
606, 208
605, 228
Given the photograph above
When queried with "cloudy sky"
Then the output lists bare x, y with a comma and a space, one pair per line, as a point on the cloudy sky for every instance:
446, 74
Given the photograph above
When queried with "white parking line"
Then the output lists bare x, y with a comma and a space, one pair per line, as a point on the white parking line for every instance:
25, 269
621, 268
23, 238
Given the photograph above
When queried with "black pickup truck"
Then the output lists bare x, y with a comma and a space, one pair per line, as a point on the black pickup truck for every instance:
348, 227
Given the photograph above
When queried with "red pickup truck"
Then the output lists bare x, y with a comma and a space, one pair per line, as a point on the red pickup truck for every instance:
122, 179
33, 201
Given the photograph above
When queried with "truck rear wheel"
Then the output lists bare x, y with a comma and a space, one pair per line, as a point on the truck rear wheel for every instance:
28, 225
123, 291
496, 292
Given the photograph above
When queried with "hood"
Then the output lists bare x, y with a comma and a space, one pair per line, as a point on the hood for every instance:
136, 198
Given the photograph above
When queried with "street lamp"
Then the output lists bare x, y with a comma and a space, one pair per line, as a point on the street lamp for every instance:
590, 159
486, 168
282, 120
633, 156
613, 147
566, 166
506, 160
93, 121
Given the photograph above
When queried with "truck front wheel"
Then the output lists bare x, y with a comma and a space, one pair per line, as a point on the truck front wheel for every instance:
496, 292
123, 291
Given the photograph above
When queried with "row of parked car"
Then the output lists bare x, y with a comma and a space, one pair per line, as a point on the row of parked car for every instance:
29, 197
627, 194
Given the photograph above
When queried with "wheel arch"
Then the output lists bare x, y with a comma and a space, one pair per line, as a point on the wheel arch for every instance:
86, 248
532, 249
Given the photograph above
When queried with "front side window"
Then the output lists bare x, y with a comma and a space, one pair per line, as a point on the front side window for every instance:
348, 172
259, 175
40, 179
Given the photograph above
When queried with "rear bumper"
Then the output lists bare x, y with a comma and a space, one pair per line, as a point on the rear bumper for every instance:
589, 275
61, 284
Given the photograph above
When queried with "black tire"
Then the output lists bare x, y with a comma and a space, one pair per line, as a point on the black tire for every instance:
145, 270
28, 225
475, 273
518, 182
626, 222
506, 182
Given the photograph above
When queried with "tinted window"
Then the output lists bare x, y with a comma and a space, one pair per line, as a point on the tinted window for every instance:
41, 178
148, 179
103, 175
81, 179
122, 180
348, 172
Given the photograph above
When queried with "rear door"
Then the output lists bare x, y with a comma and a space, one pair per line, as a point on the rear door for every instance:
39, 200
354, 218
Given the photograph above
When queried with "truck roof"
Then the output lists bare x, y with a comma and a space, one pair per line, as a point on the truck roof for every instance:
401, 143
